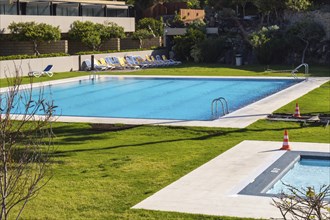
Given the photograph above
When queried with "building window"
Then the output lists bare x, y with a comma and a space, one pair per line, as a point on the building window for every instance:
93, 11
67, 10
121, 12
8, 9
111, 12
37, 9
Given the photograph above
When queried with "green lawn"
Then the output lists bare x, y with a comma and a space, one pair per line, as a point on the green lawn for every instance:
101, 174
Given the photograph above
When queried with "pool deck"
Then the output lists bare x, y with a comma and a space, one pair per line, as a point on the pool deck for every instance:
238, 119
212, 188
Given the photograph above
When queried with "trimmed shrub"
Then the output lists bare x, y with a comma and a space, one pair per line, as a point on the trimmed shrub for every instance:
34, 32
92, 35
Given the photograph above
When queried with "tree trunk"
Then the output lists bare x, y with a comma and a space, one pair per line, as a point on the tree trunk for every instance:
304, 51
262, 20
245, 35
243, 7
35, 44
268, 18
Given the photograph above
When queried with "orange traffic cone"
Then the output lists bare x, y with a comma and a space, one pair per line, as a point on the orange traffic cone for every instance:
285, 145
297, 112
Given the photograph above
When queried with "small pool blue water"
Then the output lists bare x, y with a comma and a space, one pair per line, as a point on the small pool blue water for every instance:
158, 98
307, 172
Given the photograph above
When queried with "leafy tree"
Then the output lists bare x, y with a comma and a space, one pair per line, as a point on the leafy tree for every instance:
266, 7
184, 43
110, 30
298, 5
208, 50
268, 44
307, 32
193, 4
93, 35
25, 145
142, 34
34, 32
154, 26
176, 21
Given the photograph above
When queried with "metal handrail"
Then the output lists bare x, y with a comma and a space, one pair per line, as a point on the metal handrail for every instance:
92, 75
293, 72
224, 104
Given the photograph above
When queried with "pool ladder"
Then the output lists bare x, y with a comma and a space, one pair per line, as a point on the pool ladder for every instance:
92, 76
215, 107
293, 72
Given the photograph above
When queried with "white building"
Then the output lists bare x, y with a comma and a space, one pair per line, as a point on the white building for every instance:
63, 13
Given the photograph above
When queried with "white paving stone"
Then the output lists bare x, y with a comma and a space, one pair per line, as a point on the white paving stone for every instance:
212, 188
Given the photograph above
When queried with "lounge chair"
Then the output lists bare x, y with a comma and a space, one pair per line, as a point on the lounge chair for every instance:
141, 61
156, 64
171, 60
160, 62
131, 63
119, 62
46, 71
167, 62
110, 61
87, 65
104, 63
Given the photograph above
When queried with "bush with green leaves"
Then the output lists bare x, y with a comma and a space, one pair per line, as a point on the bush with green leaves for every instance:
94, 34
142, 34
176, 22
269, 45
198, 24
184, 44
209, 50
35, 32
154, 26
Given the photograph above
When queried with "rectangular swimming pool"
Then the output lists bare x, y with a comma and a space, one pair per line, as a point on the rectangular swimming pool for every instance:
300, 169
307, 172
158, 98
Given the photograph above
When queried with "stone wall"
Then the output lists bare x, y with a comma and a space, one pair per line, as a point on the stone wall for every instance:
26, 47
129, 43
77, 46
73, 47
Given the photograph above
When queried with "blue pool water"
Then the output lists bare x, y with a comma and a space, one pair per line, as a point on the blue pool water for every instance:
305, 173
157, 98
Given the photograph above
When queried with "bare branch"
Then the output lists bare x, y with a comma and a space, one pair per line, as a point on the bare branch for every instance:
25, 144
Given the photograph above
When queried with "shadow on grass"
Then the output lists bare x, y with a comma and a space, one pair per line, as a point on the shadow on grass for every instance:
210, 134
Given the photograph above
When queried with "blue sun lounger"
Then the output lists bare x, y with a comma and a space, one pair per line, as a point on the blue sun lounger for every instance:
46, 71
